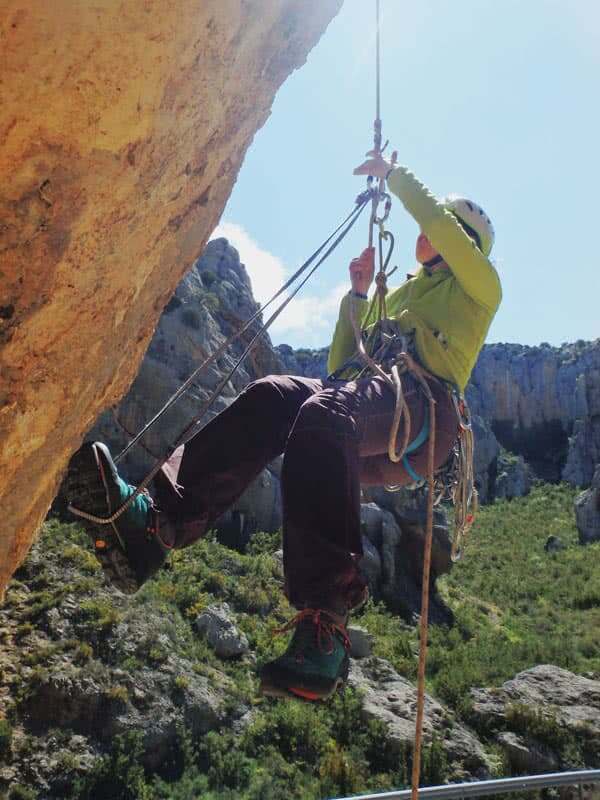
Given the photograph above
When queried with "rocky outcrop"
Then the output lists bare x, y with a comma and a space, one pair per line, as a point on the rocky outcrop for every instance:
95, 666
544, 404
544, 718
310, 363
514, 477
392, 699
124, 127
587, 511
218, 628
92, 683
211, 303
394, 525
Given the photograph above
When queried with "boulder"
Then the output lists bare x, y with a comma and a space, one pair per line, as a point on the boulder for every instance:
361, 641
258, 509
568, 703
587, 511
526, 755
389, 697
486, 452
513, 477
397, 527
370, 565
217, 627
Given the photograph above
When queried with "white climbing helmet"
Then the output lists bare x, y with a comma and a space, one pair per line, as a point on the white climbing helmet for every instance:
473, 217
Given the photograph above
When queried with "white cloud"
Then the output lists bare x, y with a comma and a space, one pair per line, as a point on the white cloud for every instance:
267, 272
309, 319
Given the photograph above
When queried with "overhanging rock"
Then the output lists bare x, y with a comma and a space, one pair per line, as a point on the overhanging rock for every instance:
123, 127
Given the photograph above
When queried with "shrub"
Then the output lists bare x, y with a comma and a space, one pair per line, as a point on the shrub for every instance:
119, 775
118, 694
542, 725
19, 792
98, 617
208, 278
191, 318
6, 734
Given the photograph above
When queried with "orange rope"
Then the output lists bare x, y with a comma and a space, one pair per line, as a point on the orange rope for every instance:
424, 601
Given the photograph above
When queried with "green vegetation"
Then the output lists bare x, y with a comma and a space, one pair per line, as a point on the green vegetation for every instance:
544, 727
290, 750
515, 606
6, 734
19, 792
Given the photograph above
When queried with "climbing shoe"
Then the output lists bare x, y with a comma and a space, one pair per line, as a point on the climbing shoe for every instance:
316, 661
129, 549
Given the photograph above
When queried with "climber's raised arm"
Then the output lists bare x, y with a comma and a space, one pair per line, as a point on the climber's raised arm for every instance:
459, 244
343, 345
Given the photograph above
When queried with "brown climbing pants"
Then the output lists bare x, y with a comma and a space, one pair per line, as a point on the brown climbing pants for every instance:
334, 435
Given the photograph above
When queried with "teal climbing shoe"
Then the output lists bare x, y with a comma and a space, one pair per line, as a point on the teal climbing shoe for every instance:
129, 549
316, 661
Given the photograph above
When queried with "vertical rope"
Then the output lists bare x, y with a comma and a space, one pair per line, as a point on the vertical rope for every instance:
377, 123
416, 769
377, 65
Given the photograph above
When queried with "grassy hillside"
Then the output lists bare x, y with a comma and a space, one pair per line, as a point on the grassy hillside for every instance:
515, 607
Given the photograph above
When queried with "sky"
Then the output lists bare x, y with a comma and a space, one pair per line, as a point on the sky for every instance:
496, 101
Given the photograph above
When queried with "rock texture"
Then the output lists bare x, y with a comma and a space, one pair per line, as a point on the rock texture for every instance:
219, 630
211, 303
394, 523
587, 511
96, 666
513, 476
392, 699
544, 404
123, 128
541, 716
81, 665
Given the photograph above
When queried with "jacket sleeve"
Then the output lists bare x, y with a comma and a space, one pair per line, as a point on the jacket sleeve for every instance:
472, 269
343, 344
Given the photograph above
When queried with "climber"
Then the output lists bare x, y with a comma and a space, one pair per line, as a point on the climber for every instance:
334, 434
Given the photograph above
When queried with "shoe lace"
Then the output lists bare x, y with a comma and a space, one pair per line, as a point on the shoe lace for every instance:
326, 628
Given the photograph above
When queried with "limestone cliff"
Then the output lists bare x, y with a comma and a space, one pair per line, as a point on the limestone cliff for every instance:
544, 403
123, 127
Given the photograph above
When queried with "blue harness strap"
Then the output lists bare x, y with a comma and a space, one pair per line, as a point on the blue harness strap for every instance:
414, 445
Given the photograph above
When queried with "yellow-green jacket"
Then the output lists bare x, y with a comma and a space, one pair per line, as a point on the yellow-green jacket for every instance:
450, 311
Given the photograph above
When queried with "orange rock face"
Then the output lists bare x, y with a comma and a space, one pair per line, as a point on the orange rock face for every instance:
123, 124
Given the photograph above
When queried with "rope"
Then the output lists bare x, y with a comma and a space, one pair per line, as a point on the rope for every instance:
463, 492
424, 623
361, 201
188, 432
